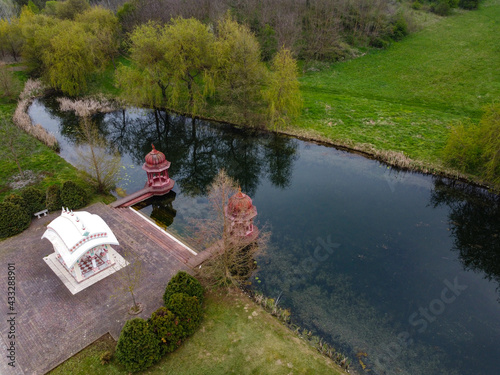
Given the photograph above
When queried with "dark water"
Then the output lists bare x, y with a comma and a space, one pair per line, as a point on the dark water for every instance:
399, 270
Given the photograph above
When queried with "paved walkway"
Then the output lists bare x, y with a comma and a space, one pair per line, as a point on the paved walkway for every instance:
51, 323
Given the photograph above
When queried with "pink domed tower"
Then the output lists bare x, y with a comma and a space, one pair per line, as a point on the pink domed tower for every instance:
240, 213
156, 166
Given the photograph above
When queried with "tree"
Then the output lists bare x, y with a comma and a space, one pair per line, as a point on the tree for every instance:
147, 80
475, 148
11, 39
69, 9
137, 347
101, 161
9, 86
232, 257
189, 46
283, 94
240, 71
130, 276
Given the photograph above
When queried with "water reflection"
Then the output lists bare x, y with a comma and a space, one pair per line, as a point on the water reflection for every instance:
475, 223
162, 209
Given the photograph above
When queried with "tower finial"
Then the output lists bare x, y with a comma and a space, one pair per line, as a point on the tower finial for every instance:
152, 145
239, 189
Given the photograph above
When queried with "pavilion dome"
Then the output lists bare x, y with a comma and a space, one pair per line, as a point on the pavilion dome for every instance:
241, 205
156, 158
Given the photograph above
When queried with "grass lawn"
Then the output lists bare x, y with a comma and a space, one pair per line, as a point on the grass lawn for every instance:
236, 337
405, 97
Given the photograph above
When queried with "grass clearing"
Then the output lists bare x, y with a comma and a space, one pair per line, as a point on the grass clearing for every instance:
236, 337
404, 98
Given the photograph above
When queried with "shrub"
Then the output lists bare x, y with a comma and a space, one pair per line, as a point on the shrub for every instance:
34, 198
17, 200
188, 310
13, 219
468, 4
106, 357
165, 325
73, 196
183, 282
400, 29
442, 8
137, 347
53, 198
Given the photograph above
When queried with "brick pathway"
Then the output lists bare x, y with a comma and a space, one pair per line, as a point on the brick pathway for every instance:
51, 323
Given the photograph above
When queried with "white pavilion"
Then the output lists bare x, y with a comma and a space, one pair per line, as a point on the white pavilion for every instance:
82, 243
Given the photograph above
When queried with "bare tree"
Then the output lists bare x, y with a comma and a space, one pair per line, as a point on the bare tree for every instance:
101, 161
232, 257
130, 276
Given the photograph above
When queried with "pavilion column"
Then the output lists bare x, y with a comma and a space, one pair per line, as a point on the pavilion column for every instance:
78, 272
94, 264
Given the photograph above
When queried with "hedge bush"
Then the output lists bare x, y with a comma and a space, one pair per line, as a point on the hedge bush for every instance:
183, 282
17, 200
13, 219
34, 198
73, 196
165, 325
188, 310
53, 198
137, 347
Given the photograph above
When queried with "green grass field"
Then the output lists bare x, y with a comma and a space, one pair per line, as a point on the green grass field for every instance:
405, 98
236, 337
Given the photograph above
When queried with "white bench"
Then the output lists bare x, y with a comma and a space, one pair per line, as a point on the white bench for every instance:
42, 212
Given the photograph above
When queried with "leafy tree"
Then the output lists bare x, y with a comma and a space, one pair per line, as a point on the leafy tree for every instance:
9, 85
104, 26
11, 39
189, 46
137, 347
13, 219
73, 196
70, 58
183, 282
34, 198
165, 326
69, 9
475, 148
188, 310
282, 93
147, 81
240, 71
38, 30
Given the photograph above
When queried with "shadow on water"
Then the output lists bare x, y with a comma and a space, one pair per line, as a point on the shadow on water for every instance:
475, 224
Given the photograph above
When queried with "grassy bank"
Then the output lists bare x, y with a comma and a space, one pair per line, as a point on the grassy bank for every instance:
235, 337
404, 98
47, 166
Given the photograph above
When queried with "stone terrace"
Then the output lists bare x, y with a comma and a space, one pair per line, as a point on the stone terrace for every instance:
51, 323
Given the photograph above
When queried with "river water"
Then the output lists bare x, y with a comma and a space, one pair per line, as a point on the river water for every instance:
398, 270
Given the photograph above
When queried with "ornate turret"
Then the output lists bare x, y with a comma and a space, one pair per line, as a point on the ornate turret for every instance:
240, 212
156, 166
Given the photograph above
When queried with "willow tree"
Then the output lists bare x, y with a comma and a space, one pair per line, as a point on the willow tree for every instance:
147, 80
189, 54
283, 94
11, 39
240, 71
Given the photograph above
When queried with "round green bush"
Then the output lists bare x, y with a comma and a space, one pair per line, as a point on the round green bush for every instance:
34, 198
73, 196
188, 310
17, 200
183, 282
165, 326
137, 347
53, 198
13, 219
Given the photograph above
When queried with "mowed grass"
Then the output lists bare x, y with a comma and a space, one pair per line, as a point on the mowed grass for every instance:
236, 337
405, 98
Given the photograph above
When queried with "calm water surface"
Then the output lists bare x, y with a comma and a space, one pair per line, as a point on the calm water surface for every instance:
399, 270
